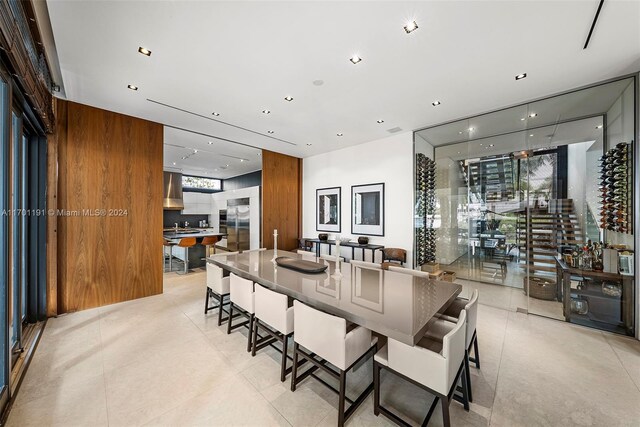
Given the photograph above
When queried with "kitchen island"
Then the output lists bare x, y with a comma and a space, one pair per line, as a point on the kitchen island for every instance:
197, 252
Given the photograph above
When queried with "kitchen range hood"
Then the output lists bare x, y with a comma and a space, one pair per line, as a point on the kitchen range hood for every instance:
172, 192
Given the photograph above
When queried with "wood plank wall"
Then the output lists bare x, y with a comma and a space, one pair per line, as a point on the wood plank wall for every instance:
107, 161
281, 199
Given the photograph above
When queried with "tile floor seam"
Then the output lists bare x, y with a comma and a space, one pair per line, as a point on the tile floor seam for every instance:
620, 360
104, 375
495, 390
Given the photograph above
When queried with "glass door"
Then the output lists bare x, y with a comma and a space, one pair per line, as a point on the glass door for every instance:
16, 258
4, 240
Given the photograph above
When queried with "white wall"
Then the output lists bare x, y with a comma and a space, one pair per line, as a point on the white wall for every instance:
388, 160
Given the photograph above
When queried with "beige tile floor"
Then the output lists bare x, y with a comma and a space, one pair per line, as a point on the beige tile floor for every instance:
160, 361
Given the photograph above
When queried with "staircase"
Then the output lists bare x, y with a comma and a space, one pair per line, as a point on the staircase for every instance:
549, 230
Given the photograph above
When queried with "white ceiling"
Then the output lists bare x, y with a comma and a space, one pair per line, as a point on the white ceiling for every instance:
238, 58
207, 156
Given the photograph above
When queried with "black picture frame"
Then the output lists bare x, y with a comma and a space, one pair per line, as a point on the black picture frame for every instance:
368, 230
331, 228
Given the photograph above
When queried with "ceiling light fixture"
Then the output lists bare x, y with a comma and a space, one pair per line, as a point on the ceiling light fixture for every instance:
521, 76
522, 119
241, 160
132, 87
215, 114
490, 145
210, 142
174, 163
471, 129
411, 26
533, 114
339, 134
308, 145
436, 103
288, 98
599, 127
530, 134
266, 111
355, 59
184, 157
460, 133
380, 121
269, 131
144, 51
195, 151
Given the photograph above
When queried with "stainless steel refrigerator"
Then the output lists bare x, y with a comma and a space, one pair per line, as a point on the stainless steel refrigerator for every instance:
238, 231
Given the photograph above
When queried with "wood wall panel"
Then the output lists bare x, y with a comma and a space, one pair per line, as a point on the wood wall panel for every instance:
112, 162
281, 199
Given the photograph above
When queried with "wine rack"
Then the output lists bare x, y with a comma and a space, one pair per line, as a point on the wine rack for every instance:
425, 209
615, 189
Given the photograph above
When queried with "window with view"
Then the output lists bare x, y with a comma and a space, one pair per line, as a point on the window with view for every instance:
201, 183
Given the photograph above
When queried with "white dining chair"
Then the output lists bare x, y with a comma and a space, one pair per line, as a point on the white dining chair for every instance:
246, 251
366, 264
411, 271
331, 257
323, 340
431, 365
217, 287
242, 299
274, 316
452, 314
306, 254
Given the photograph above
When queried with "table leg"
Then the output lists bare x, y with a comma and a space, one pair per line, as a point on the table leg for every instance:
317, 249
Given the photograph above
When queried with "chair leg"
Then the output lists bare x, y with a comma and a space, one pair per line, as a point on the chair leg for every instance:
251, 322
230, 317
475, 352
294, 369
170, 258
467, 375
220, 311
341, 397
206, 301
465, 388
376, 388
446, 420
254, 330
283, 362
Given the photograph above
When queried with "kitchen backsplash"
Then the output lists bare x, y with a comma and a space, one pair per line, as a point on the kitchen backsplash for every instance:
171, 217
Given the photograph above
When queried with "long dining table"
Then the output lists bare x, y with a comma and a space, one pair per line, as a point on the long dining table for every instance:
396, 305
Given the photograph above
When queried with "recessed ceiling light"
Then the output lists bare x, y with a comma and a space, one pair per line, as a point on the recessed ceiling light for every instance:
460, 133
174, 163
533, 114
521, 76
144, 51
195, 151
210, 142
471, 129
259, 154
435, 103
269, 131
308, 145
481, 144
215, 114
288, 98
266, 111
355, 59
530, 134
599, 127
522, 119
132, 87
411, 26
241, 160
227, 165
490, 145
339, 134
184, 157
380, 121
458, 152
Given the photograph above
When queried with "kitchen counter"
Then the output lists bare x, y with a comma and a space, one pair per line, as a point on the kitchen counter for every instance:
197, 234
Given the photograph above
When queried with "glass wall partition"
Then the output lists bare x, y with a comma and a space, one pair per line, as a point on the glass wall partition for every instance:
534, 205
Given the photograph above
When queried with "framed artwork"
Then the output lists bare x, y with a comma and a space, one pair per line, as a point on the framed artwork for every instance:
328, 209
367, 209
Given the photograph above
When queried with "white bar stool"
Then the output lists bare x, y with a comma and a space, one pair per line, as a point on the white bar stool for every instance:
217, 288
